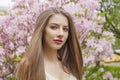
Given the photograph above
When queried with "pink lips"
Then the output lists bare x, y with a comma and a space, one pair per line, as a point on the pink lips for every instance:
58, 41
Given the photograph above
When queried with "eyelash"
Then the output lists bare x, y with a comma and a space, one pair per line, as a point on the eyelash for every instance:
66, 29
55, 27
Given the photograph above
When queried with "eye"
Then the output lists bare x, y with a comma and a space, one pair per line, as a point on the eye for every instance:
53, 27
66, 29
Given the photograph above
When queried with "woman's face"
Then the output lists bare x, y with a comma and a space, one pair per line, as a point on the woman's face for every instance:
56, 32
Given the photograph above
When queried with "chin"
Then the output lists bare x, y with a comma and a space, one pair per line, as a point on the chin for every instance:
57, 48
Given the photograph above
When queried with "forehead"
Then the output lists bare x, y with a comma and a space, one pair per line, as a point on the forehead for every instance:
58, 19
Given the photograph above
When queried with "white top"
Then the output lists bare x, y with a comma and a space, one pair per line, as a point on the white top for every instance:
50, 77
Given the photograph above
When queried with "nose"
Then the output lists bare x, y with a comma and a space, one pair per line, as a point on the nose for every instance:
60, 33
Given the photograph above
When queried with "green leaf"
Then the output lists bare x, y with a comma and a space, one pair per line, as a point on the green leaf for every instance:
18, 59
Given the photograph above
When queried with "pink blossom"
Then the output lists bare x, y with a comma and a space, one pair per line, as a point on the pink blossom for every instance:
107, 33
20, 50
108, 75
11, 45
2, 51
29, 39
101, 70
1, 78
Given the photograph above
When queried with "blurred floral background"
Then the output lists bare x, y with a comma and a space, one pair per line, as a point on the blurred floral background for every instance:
97, 25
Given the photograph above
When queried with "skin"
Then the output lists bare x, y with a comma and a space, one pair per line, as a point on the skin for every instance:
57, 28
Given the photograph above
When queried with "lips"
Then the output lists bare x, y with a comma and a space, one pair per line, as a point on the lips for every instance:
58, 41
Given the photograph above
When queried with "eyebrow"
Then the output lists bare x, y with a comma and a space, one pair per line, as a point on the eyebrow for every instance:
57, 24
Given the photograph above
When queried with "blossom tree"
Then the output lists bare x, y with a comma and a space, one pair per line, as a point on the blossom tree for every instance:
17, 26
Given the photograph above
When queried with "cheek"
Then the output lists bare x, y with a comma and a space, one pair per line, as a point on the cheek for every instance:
48, 33
66, 36
49, 36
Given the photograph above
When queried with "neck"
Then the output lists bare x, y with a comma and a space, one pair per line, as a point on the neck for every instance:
50, 55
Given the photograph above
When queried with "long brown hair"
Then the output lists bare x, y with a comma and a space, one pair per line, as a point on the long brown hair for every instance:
31, 66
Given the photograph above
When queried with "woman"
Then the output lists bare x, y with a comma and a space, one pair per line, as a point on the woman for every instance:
54, 52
